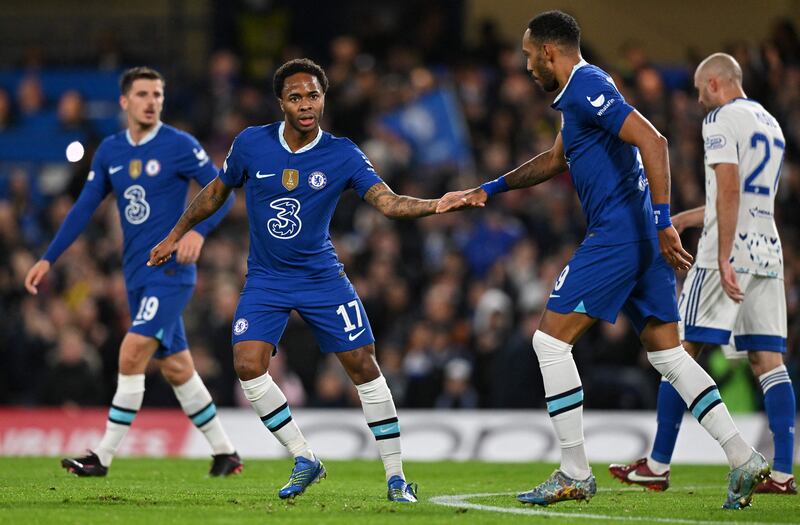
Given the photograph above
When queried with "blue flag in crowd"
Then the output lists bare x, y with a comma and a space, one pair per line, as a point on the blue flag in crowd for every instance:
434, 128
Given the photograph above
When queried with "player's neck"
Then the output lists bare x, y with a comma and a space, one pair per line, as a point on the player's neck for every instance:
564, 67
138, 132
731, 93
297, 140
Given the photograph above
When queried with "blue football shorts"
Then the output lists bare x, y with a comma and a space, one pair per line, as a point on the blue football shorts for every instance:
601, 281
156, 311
332, 309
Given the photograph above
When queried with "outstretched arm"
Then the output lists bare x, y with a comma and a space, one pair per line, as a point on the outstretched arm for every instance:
397, 206
638, 131
540, 168
210, 199
75, 222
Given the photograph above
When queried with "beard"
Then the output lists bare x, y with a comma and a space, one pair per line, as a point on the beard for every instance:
545, 78
549, 84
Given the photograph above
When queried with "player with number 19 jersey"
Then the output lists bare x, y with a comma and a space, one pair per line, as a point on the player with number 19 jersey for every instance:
292, 265
150, 182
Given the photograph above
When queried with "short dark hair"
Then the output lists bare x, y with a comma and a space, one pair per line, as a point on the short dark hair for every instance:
298, 65
135, 73
557, 27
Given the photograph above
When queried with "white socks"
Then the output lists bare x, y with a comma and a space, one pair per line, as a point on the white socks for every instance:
126, 403
564, 396
381, 415
656, 467
700, 393
270, 404
197, 404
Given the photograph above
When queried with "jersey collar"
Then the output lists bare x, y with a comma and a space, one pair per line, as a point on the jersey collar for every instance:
305, 148
574, 69
147, 138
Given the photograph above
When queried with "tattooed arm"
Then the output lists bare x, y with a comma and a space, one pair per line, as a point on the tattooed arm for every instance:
397, 206
540, 168
210, 199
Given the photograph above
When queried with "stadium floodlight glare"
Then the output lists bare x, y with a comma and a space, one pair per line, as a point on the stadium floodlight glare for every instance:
75, 151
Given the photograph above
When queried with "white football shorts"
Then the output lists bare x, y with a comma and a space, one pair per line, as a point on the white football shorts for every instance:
709, 316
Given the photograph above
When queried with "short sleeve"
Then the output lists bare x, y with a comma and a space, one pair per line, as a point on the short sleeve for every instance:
719, 139
232, 171
193, 161
362, 174
600, 103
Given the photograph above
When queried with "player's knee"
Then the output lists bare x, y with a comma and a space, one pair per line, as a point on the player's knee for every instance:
134, 353
763, 362
361, 365
176, 371
249, 364
549, 350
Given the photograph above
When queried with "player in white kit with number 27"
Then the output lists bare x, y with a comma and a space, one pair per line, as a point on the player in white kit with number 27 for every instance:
734, 292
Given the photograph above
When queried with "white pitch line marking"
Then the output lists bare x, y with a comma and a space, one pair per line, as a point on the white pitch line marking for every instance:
460, 501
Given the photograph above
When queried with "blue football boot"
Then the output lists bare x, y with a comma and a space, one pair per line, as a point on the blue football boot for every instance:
401, 491
743, 481
304, 473
560, 487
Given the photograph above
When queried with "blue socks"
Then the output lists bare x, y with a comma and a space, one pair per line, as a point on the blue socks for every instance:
779, 403
669, 414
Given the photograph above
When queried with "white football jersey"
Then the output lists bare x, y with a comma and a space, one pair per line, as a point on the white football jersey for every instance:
742, 132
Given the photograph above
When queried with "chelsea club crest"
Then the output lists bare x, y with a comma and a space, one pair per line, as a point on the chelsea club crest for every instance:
317, 180
240, 326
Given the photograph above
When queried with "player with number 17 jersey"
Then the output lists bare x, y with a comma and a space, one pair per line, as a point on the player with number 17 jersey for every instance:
291, 197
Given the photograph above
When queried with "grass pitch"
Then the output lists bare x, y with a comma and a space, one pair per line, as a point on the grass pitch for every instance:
177, 491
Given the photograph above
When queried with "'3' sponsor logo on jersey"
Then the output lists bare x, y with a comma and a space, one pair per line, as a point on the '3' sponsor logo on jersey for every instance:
286, 224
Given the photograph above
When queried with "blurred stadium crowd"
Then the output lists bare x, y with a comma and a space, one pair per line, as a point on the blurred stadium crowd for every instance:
453, 300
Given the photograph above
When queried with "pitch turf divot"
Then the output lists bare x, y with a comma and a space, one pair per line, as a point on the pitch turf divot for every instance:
460, 501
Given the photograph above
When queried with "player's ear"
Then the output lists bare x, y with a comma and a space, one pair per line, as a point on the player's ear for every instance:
547, 51
123, 102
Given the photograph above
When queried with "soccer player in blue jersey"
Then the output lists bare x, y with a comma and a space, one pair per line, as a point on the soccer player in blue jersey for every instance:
619, 165
148, 168
293, 174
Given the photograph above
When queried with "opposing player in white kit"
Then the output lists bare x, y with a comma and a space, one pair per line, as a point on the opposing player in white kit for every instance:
734, 293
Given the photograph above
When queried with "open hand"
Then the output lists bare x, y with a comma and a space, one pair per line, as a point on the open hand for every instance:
727, 277
35, 275
162, 251
188, 248
456, 200
672, 250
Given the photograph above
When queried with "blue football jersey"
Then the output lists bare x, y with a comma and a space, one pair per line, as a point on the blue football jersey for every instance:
606, 171
290, 199
150, 182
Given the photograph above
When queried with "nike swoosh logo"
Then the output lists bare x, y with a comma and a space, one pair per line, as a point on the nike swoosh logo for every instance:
599, 101
385, 430
633, 476
354, 336
112, 170
554, 295
137, 323
260, 175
